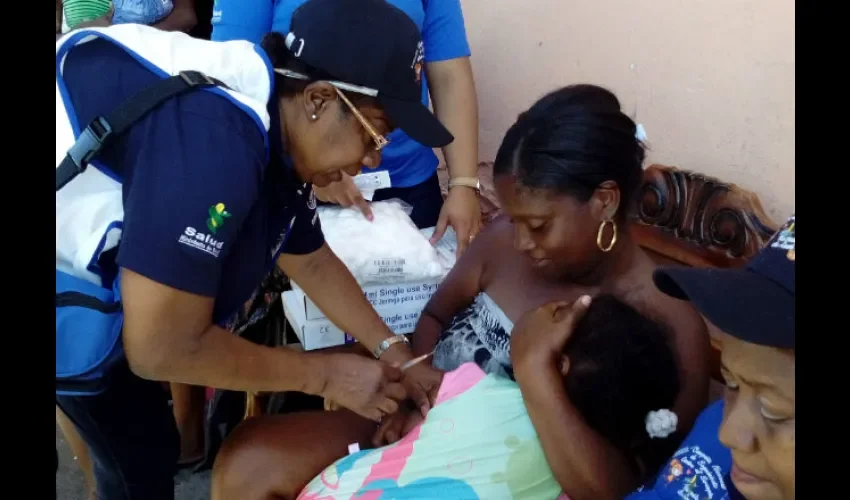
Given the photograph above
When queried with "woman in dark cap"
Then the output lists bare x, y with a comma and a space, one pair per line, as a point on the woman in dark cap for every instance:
164, 235
743, 445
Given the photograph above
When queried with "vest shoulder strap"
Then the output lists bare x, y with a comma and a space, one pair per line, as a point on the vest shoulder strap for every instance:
103, 129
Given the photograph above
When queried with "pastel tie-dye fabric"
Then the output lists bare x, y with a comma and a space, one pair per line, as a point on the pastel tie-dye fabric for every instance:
476, 443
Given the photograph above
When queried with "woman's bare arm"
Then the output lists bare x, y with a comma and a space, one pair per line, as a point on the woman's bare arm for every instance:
169, 335
585, 465
452, 89
456, 292
692, 347
330, 285
456, 105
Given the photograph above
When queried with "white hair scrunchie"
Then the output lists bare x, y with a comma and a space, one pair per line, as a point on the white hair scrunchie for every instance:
640, 132
661, 423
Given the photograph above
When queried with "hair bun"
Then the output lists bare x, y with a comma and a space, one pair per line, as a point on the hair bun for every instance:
274, 45
661, 423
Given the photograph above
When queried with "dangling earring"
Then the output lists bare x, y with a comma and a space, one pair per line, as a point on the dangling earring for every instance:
613, 238
314, 117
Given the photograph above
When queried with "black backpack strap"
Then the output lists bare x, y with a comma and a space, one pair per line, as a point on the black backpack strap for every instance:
103, 129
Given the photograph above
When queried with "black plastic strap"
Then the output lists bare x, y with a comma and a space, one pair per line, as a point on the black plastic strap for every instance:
102, 129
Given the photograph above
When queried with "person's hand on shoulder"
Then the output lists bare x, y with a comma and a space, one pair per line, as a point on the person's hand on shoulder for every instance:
344, 193
539, 337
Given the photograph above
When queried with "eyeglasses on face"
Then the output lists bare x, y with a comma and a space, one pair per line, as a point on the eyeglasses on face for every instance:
380, 140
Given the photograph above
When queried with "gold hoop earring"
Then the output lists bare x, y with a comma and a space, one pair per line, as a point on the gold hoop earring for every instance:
613, 238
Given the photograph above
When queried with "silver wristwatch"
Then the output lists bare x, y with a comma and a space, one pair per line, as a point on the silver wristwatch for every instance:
387, 343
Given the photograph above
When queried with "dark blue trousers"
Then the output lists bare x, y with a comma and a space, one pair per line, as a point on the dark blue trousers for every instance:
131, 435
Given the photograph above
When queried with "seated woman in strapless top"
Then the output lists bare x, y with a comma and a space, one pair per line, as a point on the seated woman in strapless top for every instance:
564, 174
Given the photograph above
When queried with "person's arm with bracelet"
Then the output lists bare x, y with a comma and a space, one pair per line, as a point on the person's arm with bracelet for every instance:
586, 465
309, 262
456, 292
169, 281
452, 87
330, 285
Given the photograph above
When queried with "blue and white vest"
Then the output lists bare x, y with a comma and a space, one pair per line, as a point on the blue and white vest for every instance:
89, 209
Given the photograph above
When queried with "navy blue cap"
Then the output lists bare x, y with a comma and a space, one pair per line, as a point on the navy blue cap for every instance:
373, 45
755, 304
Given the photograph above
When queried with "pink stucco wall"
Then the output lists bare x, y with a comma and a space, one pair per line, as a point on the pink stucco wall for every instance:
712, 81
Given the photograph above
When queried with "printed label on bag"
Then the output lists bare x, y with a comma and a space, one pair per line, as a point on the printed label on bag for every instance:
387, 271
387, 267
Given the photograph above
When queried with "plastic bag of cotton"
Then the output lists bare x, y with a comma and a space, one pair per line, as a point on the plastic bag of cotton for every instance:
389, 249
447, 246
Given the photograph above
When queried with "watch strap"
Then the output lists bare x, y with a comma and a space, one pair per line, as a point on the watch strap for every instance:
470, 182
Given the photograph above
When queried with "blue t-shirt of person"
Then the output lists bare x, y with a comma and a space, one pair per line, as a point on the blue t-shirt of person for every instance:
443, 34
699, 470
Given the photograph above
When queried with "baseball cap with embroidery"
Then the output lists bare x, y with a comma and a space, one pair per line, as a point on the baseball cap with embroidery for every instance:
755, 304
374, 49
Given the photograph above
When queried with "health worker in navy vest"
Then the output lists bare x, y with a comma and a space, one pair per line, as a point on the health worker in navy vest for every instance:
743, 445
412, 166
207, 206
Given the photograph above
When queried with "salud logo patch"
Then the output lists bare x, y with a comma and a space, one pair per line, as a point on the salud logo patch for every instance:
207, 242
218, 214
